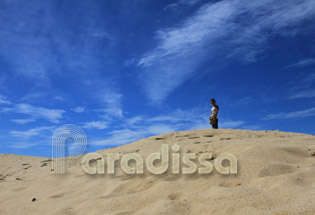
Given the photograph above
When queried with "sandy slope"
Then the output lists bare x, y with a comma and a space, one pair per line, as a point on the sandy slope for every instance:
276, 175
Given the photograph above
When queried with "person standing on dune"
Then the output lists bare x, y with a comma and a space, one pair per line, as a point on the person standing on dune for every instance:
214, 114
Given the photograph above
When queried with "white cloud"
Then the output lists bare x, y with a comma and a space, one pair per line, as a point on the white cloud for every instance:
59, 98
29, 133
134, 120
95, 124
149, 128
252, 127
34, 96
78, 109
128, 135
302, 63
225, 29
139, 127
161, 129
3, 100
40, 58
180, 3
120, 137
303, 94
301, 87
116, 112
181, 115
231, 124
290, 115
110, 98
22, 121
21, 145
41, 96
29, 50
52, 115
113, 104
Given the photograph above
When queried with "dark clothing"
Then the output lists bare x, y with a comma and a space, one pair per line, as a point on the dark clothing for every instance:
215, 126
214, 113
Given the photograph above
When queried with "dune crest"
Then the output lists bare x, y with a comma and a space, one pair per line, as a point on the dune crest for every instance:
276, 172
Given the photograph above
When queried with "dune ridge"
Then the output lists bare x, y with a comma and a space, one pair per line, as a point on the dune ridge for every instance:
276, 175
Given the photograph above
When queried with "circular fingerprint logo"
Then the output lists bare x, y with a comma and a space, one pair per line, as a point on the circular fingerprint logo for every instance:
59, 141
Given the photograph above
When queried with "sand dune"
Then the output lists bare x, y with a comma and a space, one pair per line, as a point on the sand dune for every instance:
276, 175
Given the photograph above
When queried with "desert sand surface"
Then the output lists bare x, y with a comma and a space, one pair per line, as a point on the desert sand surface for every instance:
276, 175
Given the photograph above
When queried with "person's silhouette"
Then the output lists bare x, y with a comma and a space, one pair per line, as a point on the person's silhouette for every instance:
214, 114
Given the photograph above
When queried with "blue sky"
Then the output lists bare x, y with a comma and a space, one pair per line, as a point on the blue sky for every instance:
125, 70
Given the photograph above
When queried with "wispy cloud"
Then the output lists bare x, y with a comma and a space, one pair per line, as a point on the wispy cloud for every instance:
29, 133
52, 115
113, 104
22, 121
33, 52
231, 124
128, 135
59, 98
35, 55
252, 127
95, 124
301, 63
21, 145
112, 112
3, 100
180, 3
30, 97
134, 120
180, 115
139, 127
119, 137
302, 87
39, 96
290, 115
303, 94
226, 29
78, 109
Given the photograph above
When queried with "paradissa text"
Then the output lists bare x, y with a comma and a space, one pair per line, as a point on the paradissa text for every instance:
188, 159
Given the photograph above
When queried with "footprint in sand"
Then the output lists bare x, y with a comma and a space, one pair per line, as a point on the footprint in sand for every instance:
208, 135
45, 161
182, 136
230, 184
59, 195
173, 196
275, 170
225, 138
44, 164
311, 152
193, 137
297, 151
